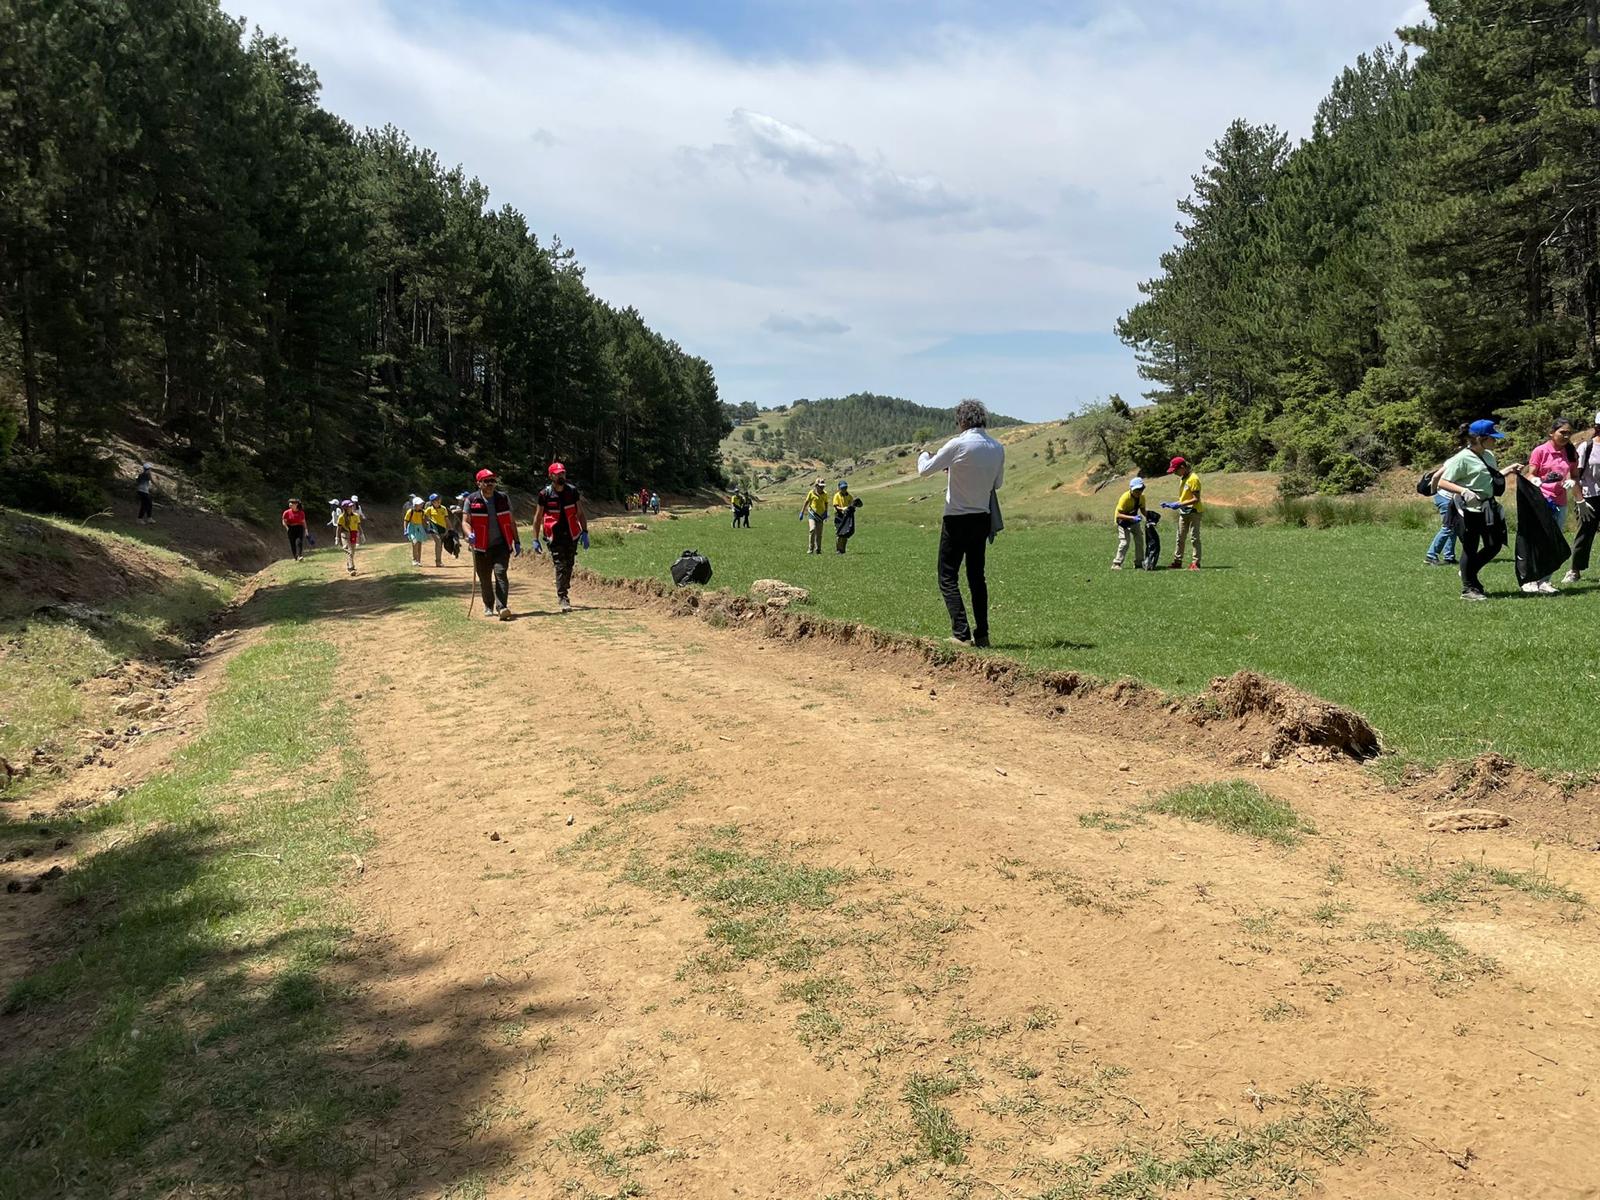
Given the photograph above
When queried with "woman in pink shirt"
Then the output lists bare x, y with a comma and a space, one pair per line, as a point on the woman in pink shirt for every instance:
1554, 467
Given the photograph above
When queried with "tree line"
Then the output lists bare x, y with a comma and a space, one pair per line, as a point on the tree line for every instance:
189, 241
849, 426
1426, 256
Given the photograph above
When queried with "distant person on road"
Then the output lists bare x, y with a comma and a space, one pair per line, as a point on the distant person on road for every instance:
1130, 518
655, 504
644, 499
976, 466
492, 534
438, 525
814, 511
1553, 465
144, 488
335, 507
741, 508
565, 526
844, 516
1588, 490
1473, 478
350, 527
415, 528
294, 522
1189, 509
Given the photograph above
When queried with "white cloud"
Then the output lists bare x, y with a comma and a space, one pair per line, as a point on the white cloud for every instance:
980, 177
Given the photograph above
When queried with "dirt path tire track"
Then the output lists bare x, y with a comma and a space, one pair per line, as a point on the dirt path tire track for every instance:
532, 784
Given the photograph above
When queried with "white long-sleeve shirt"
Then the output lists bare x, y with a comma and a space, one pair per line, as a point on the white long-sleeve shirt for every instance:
1589, 468
977, 466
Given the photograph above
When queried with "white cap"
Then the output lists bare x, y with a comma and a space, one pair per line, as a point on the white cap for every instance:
1135, 484
149, 466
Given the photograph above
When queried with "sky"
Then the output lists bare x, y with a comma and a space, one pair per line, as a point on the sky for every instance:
932, 199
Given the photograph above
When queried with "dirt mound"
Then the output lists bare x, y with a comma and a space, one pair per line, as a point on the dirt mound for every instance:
1291, 717
43, 561
1566, 809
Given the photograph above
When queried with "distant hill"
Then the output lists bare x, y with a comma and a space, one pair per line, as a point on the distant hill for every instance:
849, 426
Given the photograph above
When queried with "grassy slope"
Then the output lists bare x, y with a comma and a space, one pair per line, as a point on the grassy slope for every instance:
152, 598
1349, 614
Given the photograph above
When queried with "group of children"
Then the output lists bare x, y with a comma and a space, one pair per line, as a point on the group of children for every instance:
344, 518
646, 500
814, 512
1137, 526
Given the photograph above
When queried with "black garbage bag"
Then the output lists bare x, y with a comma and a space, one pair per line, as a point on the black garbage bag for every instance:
1152, 543
1541, 546
691, 567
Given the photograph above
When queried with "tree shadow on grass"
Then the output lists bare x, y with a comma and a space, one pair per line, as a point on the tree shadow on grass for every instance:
169, 1042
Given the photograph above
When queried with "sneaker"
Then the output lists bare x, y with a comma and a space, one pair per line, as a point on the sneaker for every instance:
566, 605
1471, 594
1429, 560
505, 614
981, 643
1572, 577
1530, 588
1194, 566
1546, 589
1116, 566
1175, 565
959, 641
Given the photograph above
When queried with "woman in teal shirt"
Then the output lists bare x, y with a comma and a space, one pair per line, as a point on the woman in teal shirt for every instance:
1470, 478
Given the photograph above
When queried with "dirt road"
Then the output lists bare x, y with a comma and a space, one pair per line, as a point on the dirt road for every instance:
681, 912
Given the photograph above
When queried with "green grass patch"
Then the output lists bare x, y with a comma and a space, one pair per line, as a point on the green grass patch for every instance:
1237, 806
195, 1003
1348, 612
938, 1137
1478, 881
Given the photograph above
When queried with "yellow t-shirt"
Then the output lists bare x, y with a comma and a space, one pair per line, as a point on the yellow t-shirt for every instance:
1190, 493
843, 500
817, 503
1130, 505
438, 514
350, 520
414, 516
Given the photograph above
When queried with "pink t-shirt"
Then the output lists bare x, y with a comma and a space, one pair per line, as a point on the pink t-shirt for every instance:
1547, 460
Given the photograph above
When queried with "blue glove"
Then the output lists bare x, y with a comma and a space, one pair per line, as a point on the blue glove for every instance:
537, 548
516, 549
583, 539
1169, 504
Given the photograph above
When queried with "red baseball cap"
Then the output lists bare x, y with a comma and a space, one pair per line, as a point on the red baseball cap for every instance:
557, 469
485, 474
1173, 466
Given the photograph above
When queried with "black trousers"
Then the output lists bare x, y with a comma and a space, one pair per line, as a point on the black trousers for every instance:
965, 537
490, 566
146, 506
1588, 525
297, 540
562, 557
1479, 545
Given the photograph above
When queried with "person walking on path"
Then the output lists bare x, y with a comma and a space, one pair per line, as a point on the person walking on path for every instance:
976, 468
415, 529
814, 512
438, 519
844, 516
1443, 547
565, 527
1130, 516
1588, 489
1554, 467
335, 507
1472, 478
655, 504
350, 529
294, 522
1189, 509
492, 534
144, 488
741, 508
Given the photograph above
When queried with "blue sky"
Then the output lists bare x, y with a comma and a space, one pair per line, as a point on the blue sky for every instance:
929, 198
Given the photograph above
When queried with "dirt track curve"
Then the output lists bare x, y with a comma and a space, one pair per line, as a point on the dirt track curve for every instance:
678, 911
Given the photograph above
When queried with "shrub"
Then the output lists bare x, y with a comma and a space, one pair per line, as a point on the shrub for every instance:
71, 486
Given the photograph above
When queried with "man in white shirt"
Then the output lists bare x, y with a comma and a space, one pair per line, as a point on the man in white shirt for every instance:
976, 466
1588, 498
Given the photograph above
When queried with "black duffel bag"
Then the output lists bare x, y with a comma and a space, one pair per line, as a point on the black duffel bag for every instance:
691, 567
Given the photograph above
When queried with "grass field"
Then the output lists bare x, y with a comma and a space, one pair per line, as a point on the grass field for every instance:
1350, 614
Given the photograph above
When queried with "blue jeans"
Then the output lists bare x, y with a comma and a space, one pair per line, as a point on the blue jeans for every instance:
1443, 545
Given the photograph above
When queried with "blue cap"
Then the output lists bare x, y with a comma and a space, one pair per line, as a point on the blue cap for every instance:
1135, 484
844, 484
433, 495
1485, 429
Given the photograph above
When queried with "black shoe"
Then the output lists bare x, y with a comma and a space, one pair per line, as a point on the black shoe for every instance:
982, 643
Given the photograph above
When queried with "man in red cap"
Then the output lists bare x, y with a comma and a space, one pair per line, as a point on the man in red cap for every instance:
1189, 509
565, 526
492, 534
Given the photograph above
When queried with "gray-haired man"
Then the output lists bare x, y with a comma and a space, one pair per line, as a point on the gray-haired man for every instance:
976, 467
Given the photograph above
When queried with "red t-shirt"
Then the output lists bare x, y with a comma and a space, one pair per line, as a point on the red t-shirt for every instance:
294, 516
